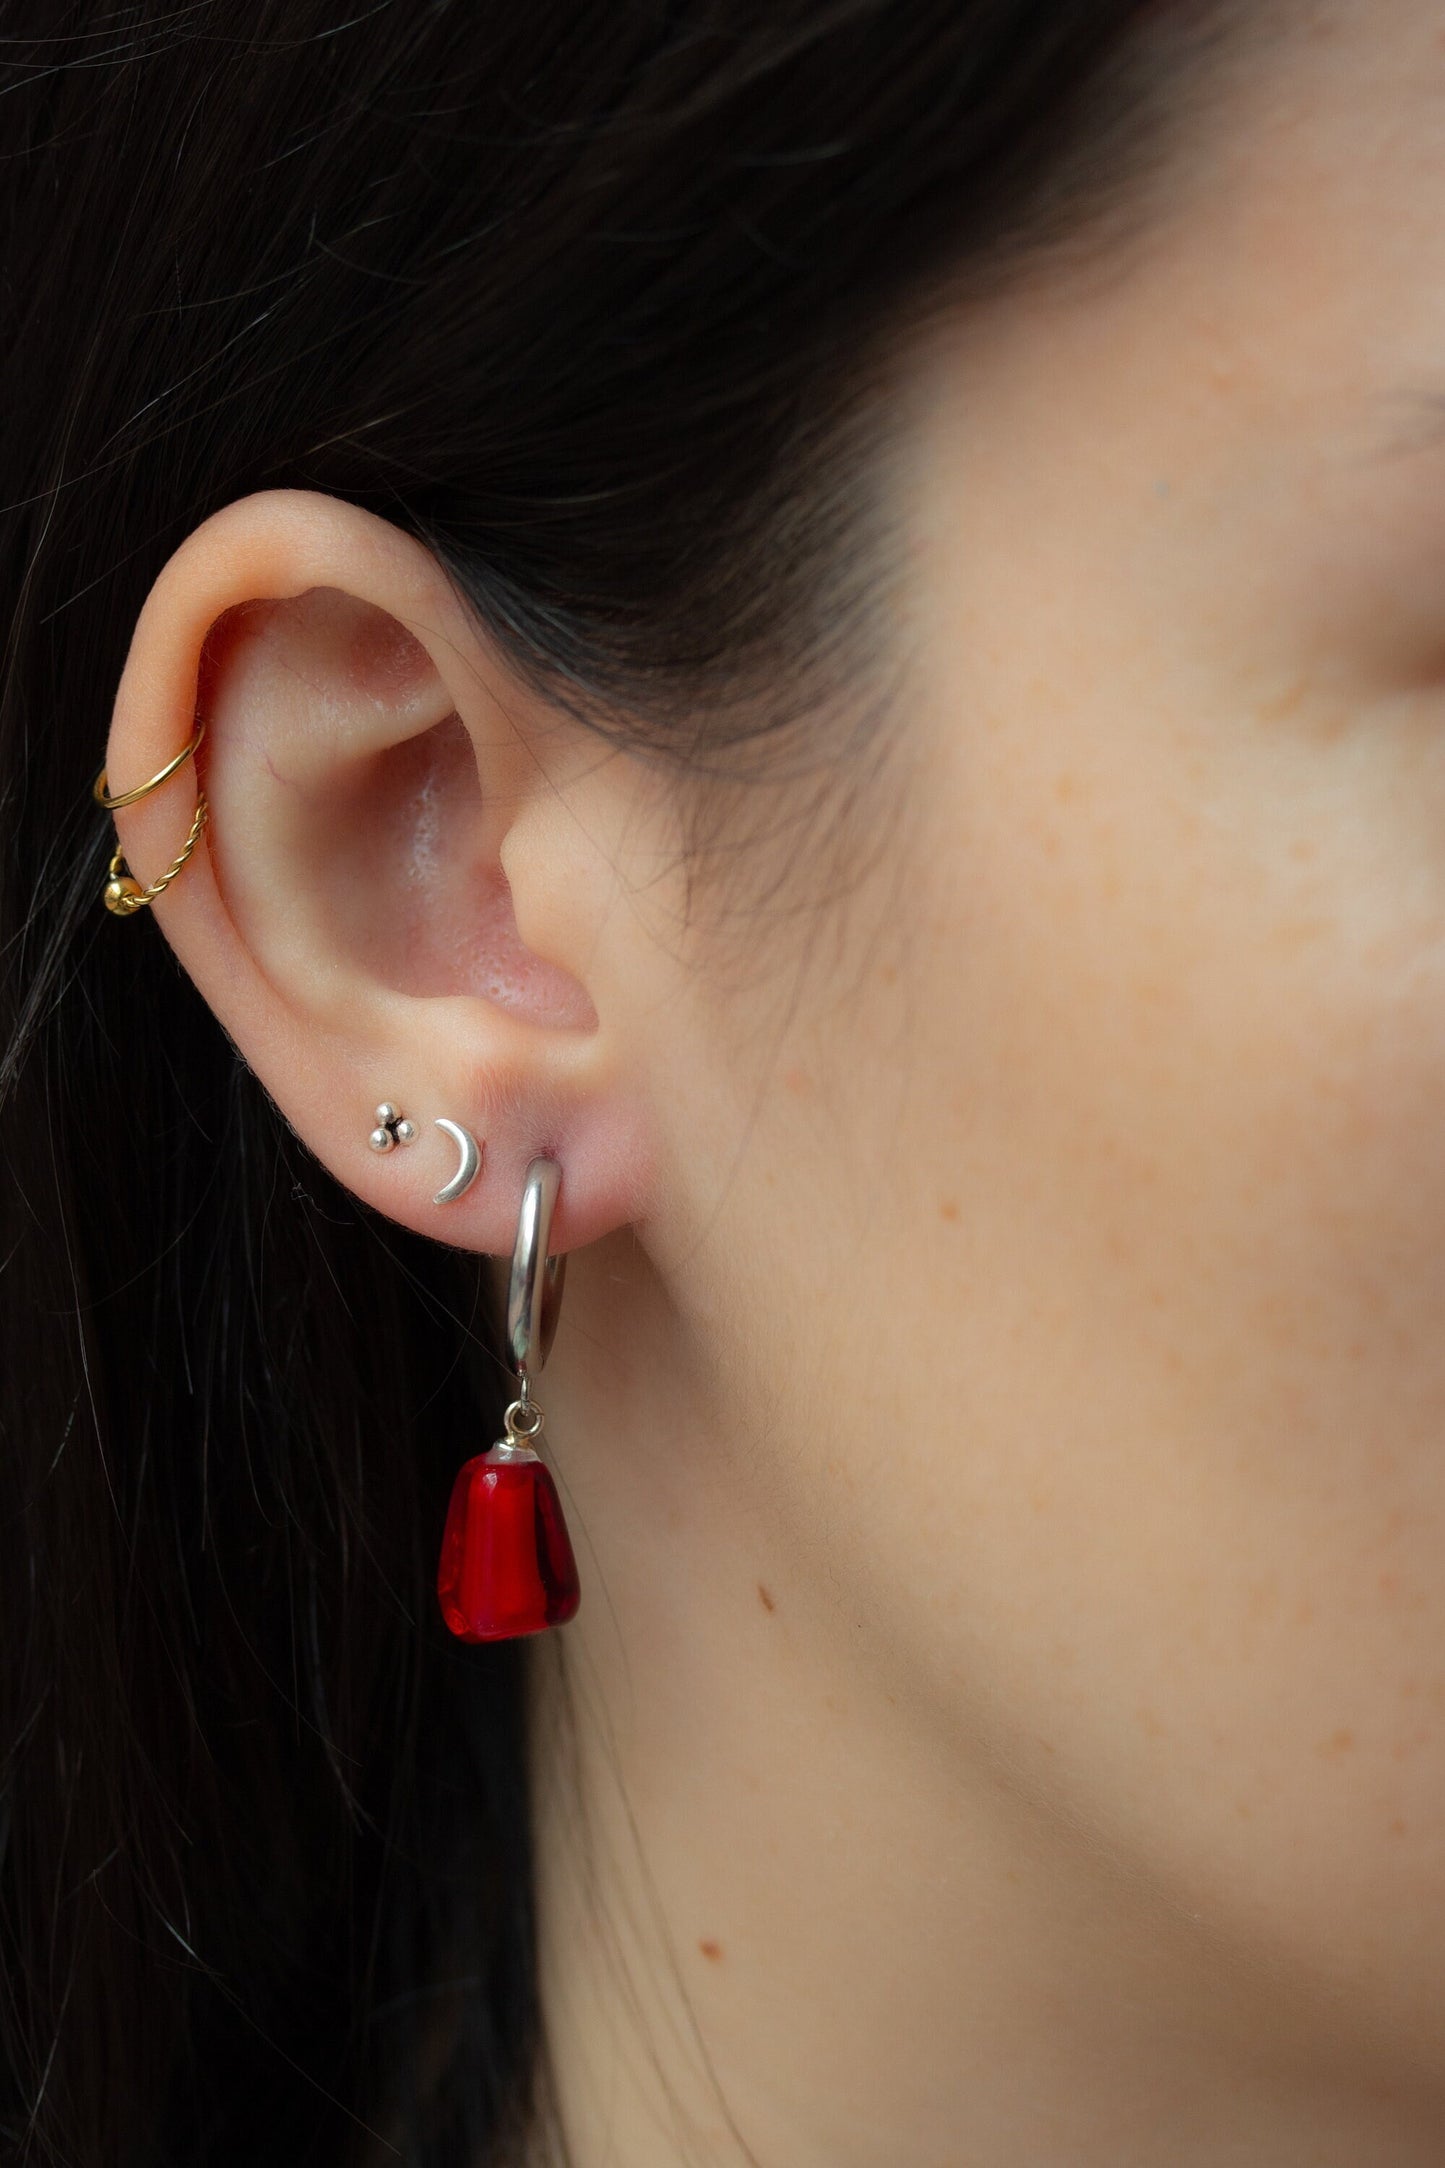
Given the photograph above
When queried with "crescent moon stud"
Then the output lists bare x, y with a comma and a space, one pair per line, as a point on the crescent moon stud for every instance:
469, 1165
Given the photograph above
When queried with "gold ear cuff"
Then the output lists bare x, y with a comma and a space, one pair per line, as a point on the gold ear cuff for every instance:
123, 893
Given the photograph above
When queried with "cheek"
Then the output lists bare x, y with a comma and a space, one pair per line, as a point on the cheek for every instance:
1187, 1038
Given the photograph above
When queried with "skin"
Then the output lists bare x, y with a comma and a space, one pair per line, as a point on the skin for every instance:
999, 1397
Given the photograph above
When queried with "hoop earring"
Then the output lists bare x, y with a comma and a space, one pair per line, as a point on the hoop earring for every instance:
507, 1566
123, 894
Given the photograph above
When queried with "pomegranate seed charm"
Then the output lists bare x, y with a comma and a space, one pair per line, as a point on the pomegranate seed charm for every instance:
507, 1566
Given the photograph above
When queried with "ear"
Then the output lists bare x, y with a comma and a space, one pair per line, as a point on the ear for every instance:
403, 891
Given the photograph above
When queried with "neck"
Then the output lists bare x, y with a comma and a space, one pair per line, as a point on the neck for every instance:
792, 1909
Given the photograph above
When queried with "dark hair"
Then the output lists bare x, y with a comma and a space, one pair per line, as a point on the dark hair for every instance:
579, 294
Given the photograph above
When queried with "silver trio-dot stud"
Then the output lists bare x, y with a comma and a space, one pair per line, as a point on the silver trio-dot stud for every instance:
392, 1128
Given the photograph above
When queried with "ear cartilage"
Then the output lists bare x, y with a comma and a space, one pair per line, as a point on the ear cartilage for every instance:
469, 1163
392, 1128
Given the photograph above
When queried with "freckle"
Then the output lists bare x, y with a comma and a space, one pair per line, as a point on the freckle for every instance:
1285, 701
711, 1950
1066, 789
1263, 1599
766, 1599
948, 1209
1302, 850
889, 974
1245, 1813
1398, 1828
1150, 1725
1298, 933
1338, 1742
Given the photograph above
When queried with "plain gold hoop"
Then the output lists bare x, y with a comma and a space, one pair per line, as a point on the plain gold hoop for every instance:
142, 790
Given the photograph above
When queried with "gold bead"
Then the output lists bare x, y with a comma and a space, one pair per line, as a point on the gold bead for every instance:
122, 896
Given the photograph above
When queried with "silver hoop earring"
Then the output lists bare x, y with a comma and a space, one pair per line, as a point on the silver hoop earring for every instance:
507, 1565
534, 1292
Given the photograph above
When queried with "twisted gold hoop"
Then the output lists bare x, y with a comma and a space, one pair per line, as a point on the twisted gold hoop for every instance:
123, 893
129, 797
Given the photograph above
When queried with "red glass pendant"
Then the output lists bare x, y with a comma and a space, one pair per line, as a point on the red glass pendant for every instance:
507, 1566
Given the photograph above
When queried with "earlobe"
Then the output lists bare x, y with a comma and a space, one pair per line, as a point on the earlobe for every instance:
372, 770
